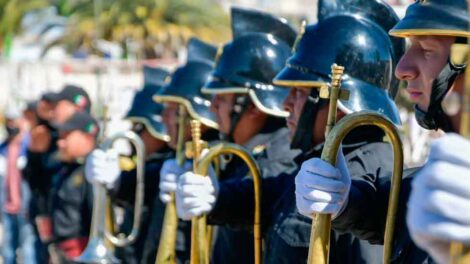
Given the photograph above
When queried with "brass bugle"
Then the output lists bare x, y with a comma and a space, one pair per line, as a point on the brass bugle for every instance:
199, 255
97, 250
122, 240
166, 253
321, 228
460, 253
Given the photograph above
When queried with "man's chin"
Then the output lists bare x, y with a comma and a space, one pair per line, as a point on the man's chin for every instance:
422, 107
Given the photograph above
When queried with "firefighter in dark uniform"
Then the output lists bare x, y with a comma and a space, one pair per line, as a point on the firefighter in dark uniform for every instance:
184, 89
286, 231
42, 162
249, 113
366, 155
435, 217
146, 118
432, 28
70, 197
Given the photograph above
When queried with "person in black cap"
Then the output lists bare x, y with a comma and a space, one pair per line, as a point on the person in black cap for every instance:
30, 114
70, 197
146, 119
249, 113
68, 101
41, 165
44, 133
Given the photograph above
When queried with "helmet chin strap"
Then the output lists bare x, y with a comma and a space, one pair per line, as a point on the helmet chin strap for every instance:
239, 107
435, 117
303, 136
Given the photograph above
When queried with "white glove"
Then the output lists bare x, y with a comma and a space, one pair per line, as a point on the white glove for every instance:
322, 188
103, 167
196, 194
169, 178
439, 205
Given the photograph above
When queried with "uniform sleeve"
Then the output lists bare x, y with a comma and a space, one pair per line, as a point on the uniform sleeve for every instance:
125, 192
33, 168
235, 203
38, 172
368, 167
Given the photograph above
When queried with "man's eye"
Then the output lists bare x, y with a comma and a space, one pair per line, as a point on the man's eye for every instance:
304, 92
428, 52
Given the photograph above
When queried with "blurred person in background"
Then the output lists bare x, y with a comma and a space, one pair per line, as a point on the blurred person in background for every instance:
70, 195
30, 115
52, 108
15, 193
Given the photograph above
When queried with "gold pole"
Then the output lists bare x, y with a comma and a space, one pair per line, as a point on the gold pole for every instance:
337, 74
321, 226
460, 253
210, 228
166, 253
198, 224
234, 149
465, 122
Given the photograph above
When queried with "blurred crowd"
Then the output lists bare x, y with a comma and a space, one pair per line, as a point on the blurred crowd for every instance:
57, 125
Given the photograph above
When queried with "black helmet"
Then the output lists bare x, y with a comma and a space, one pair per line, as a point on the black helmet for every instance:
378, 12
199, 50
434, 17
184, 86
144, 110
261, 45
154, 75
252, 21
359, 45
247, 66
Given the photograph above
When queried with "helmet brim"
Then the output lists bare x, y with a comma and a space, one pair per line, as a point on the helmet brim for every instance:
292, 77
363, 96
156, 129
193, 111
431, 20
263, 99
215, 86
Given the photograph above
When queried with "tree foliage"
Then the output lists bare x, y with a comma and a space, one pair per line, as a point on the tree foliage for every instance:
147, 24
